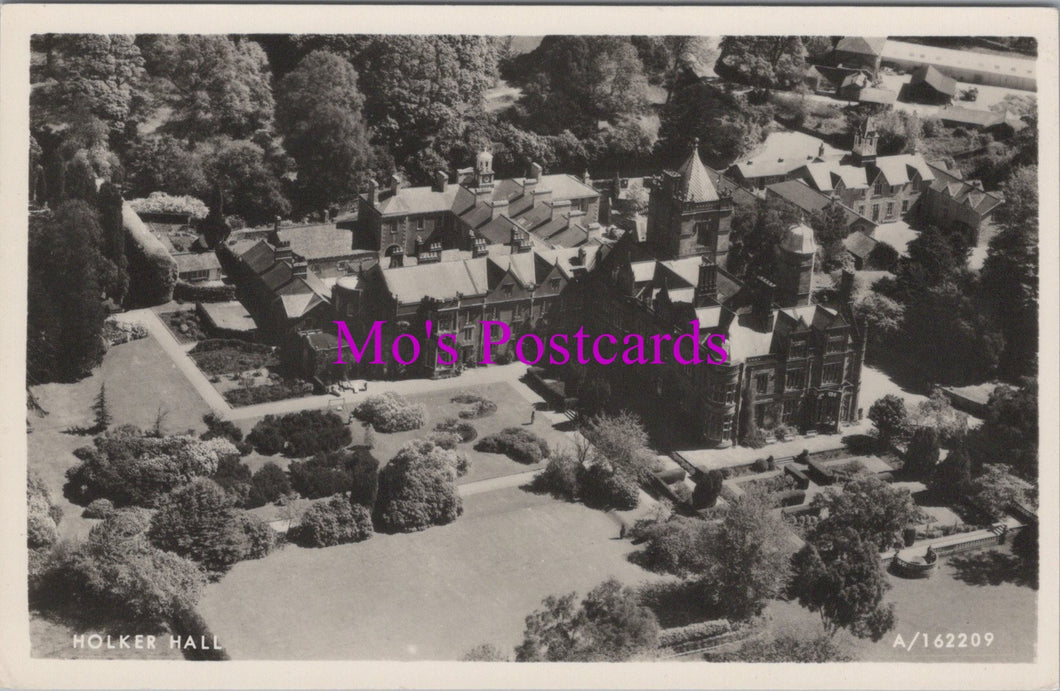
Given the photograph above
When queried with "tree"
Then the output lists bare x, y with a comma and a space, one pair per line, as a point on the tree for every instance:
1010, 272
889, 416
756, 231
726, 125
997, 489
883, 317
665, 57
622, 440
101, 410
318, 111
216, 85
1009, 432
609, 625
417, 489
749, 558
830, 229
707, 490
923, 451
486, 652
162, 163
200, 522
573, 82
838, 575
870, 507
938, 413
65, 317
594, 396
267, 485
953, 476
1025, 547
98, 74
762, 61
334, 522
42, 516
251, 190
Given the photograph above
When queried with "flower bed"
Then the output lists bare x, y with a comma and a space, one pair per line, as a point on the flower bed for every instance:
220, 356
184, 325
117, 332
267, 393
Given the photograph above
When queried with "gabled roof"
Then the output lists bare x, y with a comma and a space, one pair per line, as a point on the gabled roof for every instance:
969, 116
870, 94
962, 191
899, 169
862, 45
259, 257
801, 195
316, 242
926, 74
859, 244
826, 174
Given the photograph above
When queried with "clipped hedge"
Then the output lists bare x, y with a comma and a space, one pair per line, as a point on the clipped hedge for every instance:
152, 271
693, 632
191, 292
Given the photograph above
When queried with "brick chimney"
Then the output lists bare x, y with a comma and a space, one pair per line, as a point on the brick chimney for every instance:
846, 287
536, 171
520, 241
395, 183
479, 248
373, 192
300, 269
283, 252
581, 256
541, 197
498, 208
441, 181
559, 208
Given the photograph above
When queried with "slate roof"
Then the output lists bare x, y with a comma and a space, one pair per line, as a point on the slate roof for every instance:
801, 195
969, 116
696, 185
962, 191
870, 94
926, 74
317, 242
862, 45
826, 174
197, 261
899, 169
859, 244
259, 257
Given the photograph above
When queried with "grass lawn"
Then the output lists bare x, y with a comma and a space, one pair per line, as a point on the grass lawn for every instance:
139, 377
423, 596
970, 593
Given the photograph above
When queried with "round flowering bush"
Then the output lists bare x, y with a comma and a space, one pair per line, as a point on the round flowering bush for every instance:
417, 488
334, 522
162, 203
391, 412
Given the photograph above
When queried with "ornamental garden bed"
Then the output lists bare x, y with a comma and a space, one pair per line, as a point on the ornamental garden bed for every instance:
185, 325
218, 356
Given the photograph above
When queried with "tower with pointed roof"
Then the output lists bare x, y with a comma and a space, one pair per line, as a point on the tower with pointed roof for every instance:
686, 214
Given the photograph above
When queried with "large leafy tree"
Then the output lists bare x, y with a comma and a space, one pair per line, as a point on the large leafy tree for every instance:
216, 85
1010, 272
417, 489
952, 479
318, 111
762, 61
163, 163
95, 74
870, 507
749, 562
889, 415
923, 451
239, 168
65, 312
1010, 431
575, 81
838, 575
610, 625
726, 125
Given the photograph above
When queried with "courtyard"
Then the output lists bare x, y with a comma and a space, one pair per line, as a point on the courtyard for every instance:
422, 596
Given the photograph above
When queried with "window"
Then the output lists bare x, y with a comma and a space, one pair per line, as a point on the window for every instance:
837, 344
833, 373
469, 332
507, 289
554, 284
890, 209
730, 394
762, 384
861, 209
797, 349
875, 212
199, 275
905, 205
796, 379
788, 409
879, 188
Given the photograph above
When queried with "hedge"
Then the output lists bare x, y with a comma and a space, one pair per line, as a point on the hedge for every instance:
152, 271
190, 292
792, 497
693, 632
98, 508
801, 481
266, 393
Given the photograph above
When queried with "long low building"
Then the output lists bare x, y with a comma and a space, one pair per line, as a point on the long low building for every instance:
964, 65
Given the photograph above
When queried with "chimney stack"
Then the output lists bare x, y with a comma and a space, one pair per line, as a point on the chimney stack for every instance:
762, 309
300, 269
541, 197
558, 208
395, 183
283, 251
441, 181
581, 256
498, 208
373, 192
536, 171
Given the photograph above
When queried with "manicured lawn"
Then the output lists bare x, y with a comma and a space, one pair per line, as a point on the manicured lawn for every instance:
960, 597
423, 596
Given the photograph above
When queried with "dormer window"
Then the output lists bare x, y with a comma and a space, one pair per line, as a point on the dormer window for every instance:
507, 289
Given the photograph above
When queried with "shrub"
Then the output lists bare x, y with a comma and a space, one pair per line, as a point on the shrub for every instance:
300, 434
334, 522
676, 546
465, 430
98, 508
792, 497
233, 476
260, 537
118, 332
116, 570
223, 355
200, 522
708, 489
417, 489
267, 485
217, 426
446, 440
760, 465
693, 632
560, 476
322, 475
152, 271
267, 393
605, 488
132, 469
391, 412
522, 446
477, 406
163, 203
42, 520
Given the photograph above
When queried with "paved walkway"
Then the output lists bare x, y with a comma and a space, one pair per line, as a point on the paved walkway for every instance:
179, 355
